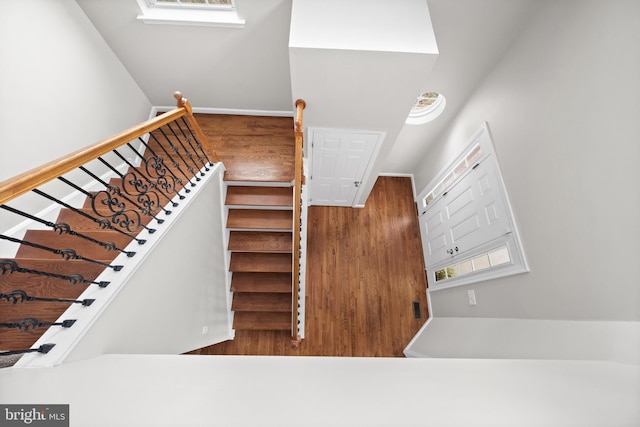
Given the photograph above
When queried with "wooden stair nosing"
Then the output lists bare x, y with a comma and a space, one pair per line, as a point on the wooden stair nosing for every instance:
258, 182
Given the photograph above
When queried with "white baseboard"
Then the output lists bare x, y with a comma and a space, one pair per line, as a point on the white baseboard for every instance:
231, 111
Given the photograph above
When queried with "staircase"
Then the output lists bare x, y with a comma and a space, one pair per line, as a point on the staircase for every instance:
53, 275
258, 153
260, 224
34, 258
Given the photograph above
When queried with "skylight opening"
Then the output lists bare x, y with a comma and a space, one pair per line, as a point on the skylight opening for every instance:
192, 3
210, 13
427, 107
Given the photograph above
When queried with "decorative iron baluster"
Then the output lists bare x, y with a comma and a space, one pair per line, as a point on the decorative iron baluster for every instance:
62, 228
104, 224
173, 162
66, 254
33, 323
187, 152
125, 218
198, 144
44, 349
115, 190
176, 150
188, 139
10, 266
19, 295
168, 183
140, 188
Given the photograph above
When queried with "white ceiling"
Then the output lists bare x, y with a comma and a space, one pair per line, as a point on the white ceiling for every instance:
249, 68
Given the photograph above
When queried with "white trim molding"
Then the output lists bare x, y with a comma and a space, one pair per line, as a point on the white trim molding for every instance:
213, 17
492, 236
231, 111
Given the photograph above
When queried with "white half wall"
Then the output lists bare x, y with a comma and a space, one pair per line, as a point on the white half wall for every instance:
562, 106
484, 338
179, 289
172, 391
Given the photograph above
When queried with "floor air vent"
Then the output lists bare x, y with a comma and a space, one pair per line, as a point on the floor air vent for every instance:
417, 313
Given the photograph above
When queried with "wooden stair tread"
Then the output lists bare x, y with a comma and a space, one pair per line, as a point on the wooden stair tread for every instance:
14, 339
41, 310
57, 266
260, 241
260, 219
260, 262
267, 321
259, 196
79, 222
82, 247
130, 205
259, 301
261, 282
44, 287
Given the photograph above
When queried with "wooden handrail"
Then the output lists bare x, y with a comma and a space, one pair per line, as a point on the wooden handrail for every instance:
183, 102
27, 181
297, 197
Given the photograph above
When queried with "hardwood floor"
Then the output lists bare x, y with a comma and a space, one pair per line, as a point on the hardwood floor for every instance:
264, 146
365, 269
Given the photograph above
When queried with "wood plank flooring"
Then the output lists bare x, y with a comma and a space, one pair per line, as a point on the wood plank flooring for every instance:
365, 269
264, 146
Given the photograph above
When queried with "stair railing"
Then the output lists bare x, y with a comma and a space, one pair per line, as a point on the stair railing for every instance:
297, 312
156, 162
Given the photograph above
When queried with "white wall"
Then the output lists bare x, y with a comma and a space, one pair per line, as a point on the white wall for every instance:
62, 87
214, 67
563, 107
360, 67
472, 36
325, 391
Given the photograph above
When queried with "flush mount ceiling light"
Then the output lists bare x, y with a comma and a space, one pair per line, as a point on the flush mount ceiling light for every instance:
427, 107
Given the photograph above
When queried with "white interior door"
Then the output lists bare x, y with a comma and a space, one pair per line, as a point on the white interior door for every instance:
339, 161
